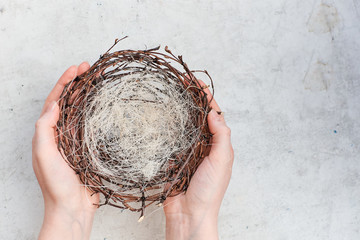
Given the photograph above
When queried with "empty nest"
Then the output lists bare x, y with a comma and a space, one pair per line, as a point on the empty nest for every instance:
134, 127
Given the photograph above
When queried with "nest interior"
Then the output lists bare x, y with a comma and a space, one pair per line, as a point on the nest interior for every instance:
133, 127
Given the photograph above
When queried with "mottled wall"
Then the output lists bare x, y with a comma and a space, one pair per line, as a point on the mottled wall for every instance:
286, 74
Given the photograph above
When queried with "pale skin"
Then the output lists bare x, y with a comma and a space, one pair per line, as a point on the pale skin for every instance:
70, 207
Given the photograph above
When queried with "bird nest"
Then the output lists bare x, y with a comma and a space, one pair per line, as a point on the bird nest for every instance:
134, 127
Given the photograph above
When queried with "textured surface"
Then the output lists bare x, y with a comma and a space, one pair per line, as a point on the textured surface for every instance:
286, 74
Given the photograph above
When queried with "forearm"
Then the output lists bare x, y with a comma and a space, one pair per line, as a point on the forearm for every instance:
182, 227
63, 224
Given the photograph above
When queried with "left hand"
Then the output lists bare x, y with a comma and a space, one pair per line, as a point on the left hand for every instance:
69, 205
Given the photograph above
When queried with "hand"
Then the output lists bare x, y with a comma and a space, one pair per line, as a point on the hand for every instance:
193, 215
69, 206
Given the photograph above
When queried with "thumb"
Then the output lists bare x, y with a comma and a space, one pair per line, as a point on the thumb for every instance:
45, 125
221, 149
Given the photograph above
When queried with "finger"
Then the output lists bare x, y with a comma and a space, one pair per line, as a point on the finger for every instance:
213, 103
54, 95
83, 67
68, 75
221, 149
45, 126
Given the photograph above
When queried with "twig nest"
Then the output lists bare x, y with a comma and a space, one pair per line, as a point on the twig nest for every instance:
134, 127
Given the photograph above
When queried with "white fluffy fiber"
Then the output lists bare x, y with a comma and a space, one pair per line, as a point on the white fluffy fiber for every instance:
139, 121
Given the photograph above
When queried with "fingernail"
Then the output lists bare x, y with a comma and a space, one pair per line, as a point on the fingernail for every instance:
75, 72
214, 114
51, 106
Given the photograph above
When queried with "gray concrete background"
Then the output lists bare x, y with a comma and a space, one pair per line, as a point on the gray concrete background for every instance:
286, 74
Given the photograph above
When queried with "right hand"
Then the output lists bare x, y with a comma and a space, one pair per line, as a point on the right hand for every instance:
194, 213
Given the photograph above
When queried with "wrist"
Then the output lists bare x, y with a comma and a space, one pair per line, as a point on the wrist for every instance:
183, 226
64, 223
